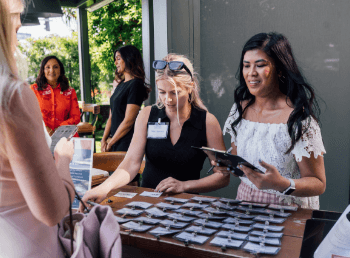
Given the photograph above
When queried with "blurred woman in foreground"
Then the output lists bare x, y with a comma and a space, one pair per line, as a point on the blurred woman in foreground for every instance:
33, 189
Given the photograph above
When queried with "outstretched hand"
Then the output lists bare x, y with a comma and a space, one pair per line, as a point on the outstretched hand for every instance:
170, 185
271, 179
96, 195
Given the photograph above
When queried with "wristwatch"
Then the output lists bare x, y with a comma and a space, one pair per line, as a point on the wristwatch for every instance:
291, 188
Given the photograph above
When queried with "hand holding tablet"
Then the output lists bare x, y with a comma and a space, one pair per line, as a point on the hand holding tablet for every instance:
228, 160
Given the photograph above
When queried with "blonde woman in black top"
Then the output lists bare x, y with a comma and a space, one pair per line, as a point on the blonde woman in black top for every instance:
171, 164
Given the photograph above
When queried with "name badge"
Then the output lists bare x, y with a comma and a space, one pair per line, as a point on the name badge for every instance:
157, 130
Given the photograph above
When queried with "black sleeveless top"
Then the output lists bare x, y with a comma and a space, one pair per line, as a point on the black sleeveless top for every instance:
180, 161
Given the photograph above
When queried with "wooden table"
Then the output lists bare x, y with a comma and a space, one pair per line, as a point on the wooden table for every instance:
291, 240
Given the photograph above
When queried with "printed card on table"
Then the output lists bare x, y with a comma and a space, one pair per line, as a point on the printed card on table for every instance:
151, 194
80, 166
125, 195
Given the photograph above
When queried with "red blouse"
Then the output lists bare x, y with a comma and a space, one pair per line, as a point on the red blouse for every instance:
57, 107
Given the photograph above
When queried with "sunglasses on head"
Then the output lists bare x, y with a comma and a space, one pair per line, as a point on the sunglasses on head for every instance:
173, 65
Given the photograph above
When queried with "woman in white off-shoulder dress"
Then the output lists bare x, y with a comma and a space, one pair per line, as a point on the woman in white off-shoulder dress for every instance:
273, 125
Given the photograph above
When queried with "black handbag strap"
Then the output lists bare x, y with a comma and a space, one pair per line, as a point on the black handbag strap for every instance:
71, 223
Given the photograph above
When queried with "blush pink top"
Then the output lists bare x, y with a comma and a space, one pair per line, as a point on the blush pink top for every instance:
21, 234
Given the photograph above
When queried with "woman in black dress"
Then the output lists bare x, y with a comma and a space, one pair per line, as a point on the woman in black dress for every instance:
165, 132
126, 99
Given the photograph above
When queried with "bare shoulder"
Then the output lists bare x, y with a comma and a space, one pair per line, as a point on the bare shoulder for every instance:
144, 114
211, 121
214, 133
288, 108
244, 103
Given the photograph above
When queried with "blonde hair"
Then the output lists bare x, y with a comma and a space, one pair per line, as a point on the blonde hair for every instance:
9, 82
6, 40
181, 79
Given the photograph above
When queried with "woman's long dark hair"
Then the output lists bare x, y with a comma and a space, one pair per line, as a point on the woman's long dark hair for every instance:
133, 65
41, 80
291, 83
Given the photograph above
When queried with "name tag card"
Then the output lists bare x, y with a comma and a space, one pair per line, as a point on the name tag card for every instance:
215, 211
160, 231
129, 212
267, 234
256, 248
230, 201
241, 215
180, 217
224, 242
210, 224
173, 223
151, 194
239, 221
121, 220
132, 226
200, 230
268, 227
209, 216
223, 206
168, 206
263, 239
236, 228
125, 195
139, 205
147, 220
202, 199
191, 238
156, 212
188, 212
235, 235
157, 130
173, 199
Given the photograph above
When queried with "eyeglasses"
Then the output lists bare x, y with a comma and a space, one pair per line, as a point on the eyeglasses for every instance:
173, 65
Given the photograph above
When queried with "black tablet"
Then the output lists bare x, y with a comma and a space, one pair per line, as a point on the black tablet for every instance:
228, 160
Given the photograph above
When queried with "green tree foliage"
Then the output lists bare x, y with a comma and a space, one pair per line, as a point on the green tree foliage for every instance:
66, 49
111, 27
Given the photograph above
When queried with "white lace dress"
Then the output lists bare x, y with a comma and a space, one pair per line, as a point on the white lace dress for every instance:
269, 142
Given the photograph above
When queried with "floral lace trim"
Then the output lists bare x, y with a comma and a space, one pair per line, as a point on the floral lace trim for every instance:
311, 140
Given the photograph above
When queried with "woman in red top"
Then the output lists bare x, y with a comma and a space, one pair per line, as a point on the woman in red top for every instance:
58, 102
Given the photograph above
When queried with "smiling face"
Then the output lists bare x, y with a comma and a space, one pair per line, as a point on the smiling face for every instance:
119, 63
259, 73
167, 95
52, 71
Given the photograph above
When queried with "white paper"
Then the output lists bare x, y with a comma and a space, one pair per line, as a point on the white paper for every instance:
337, 241
151, 194
80, 166
125, 195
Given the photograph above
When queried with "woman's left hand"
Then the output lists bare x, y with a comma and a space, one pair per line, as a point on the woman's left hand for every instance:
108, 147
170, 185
109, 144
272, 179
